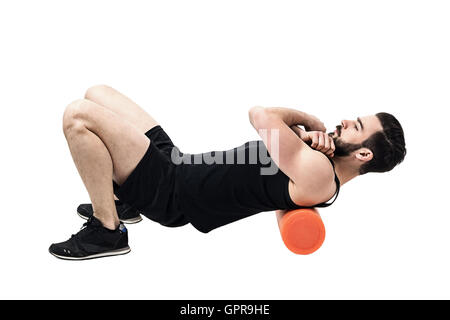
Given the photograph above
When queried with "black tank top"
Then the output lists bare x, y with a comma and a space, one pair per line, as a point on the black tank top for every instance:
219, 187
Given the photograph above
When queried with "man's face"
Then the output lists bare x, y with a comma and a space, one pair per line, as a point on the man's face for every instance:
349, 136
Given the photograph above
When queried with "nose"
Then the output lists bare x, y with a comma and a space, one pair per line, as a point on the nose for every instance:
344, 124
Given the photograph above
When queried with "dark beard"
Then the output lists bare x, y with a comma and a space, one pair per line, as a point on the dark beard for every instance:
343, 149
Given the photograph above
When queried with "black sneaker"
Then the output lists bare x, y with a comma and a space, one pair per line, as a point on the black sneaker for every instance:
93, 241
126, 213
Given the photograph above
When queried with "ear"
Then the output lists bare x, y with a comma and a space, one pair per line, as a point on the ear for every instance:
364, 154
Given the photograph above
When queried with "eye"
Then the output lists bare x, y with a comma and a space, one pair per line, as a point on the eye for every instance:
356, 127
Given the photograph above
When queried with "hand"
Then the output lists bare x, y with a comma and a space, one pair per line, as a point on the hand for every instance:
320, 141
314, 124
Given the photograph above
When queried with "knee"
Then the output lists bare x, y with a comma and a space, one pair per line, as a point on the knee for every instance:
75, 116
95, 91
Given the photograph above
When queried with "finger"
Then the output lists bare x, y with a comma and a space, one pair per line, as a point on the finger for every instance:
326, 142
315, 139
321, 142
329, 153
332, 145
304, 136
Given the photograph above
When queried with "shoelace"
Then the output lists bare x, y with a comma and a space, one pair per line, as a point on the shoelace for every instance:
75, 238
84, 226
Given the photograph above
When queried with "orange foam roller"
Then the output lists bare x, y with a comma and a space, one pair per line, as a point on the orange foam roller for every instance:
302, 230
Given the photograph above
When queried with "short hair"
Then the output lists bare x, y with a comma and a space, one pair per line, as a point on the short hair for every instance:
388, 146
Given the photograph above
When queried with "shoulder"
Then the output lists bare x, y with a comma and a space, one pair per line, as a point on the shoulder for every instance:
314, 179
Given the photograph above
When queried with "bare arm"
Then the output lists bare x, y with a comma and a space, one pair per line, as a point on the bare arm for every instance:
293, 117
289, 116
291, 154
317, 140
299, 132
283, 144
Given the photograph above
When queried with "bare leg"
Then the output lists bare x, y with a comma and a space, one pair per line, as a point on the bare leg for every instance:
104, 147
121, 105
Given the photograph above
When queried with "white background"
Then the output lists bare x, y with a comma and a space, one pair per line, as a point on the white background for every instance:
197, 67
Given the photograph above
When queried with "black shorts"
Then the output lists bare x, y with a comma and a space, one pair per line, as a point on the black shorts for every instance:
151, 188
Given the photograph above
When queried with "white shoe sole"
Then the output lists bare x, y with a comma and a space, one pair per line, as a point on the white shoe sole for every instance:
127, 221
98, 255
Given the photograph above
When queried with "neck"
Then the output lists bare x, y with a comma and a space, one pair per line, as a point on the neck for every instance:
344, 171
